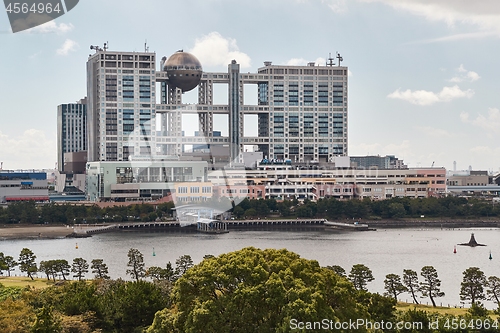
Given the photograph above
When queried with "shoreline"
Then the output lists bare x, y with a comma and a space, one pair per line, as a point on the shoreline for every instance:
8, 232
34, 232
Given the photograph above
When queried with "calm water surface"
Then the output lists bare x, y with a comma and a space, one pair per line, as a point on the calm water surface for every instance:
384, 251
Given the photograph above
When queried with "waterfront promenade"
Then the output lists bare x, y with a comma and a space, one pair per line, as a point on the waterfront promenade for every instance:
83, 230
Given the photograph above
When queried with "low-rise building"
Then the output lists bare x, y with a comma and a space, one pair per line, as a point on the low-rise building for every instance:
140, 180
23, 186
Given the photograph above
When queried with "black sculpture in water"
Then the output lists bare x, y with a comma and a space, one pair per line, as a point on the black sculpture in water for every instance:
472, 242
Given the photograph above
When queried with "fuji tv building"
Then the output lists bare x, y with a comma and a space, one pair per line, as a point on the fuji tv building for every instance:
301, 114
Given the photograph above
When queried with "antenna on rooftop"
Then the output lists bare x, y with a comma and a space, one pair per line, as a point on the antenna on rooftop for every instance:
339, 57
146, 47
330, 60
95, 47
106, 46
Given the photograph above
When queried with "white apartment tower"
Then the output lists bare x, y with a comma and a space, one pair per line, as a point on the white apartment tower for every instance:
121, 105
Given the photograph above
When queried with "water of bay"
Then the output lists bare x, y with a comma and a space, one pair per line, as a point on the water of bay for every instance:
384, 251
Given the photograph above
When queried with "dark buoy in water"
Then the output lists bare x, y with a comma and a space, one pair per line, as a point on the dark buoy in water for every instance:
472, 242
490, 256
154, 254
454, 249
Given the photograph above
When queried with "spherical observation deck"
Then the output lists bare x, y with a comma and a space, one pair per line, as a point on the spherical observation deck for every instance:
183, 70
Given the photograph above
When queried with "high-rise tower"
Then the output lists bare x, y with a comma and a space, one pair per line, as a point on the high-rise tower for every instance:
121, 105
71, 129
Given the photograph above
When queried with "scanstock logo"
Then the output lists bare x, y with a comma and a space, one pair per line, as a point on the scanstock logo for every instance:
28, 14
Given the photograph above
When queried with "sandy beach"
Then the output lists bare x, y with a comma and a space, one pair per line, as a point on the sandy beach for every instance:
34, 231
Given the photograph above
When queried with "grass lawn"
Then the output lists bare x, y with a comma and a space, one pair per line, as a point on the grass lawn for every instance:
23, 281
429, 308
441, 310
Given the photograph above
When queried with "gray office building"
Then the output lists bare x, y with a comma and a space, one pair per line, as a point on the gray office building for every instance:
121, 105
71, 130
301, 110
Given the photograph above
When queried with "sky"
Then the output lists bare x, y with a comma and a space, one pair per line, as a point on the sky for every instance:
423, 81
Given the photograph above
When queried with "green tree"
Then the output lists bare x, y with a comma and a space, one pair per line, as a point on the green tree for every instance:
46, 321
10, 264
170, 272
156, 273
339, 270
430, 287
417, 316
80, 267
493, 291
360, 275
44, 268
3, 264
478, 310
254, 290
136, 264
127, 307
99, 269
393, 286
62, 267
472, 285
251, 212
238, 212
27, 262
410, 280
182, 264
397, 210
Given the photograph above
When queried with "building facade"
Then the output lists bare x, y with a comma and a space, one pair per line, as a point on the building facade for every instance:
23, 186
71, 130
140, 180
302, 112
121, 105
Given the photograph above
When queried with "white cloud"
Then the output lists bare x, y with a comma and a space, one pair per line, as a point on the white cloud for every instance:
464, 75
424, 97
337, 6
215, 50
464, 117
52, 27
484, 14
28, 150
489, 122
67, 47
456, 37
429, 131
485, 150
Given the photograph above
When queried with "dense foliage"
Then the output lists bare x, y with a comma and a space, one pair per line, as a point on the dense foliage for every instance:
396, 208
249, 290
254, 290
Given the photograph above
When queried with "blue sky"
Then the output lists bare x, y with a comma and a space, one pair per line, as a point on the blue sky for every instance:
424, 76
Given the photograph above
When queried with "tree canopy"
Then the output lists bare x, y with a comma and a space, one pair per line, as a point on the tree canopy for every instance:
360, 275
254, 290
431, 286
